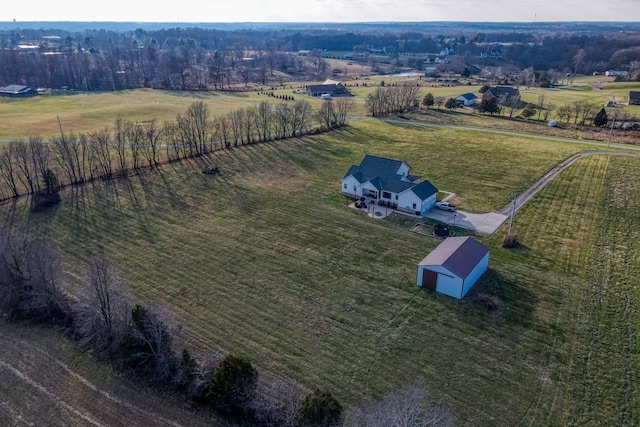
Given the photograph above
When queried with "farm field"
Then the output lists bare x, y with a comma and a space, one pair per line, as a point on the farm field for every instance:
83, 112
266, 261
46, 380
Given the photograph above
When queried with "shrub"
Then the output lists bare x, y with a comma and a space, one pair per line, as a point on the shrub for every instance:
510, 241
146, 348
232, 386
320, 408
488, 302
42, 201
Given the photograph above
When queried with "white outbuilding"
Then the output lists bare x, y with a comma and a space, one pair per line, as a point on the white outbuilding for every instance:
454, 266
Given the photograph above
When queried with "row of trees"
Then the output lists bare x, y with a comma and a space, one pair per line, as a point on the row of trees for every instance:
144, 341
392, 99
35, 166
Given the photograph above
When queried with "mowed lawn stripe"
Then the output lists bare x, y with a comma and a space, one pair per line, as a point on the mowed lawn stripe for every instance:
266, 260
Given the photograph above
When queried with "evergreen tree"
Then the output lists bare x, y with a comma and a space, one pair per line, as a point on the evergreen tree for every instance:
320, 408
601, 118
529, 111
489, 106
428, 100
233, 385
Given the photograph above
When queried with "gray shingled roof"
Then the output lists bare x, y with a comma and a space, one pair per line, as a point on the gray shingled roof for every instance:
382, 173
14, 89
459, 255
507, 91
468, 96
424, 190
634, 94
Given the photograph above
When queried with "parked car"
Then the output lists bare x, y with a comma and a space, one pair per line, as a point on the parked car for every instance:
446, 206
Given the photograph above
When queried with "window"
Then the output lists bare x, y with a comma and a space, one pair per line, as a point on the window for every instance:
345, 185
386, 195
355, 189
414, 206
396, 197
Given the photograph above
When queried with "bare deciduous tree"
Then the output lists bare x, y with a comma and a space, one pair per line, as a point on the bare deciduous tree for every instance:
408, 406
277, 402
27, 172
326, 114
8, 169
342, 108
151, 144
102, 312
30, 278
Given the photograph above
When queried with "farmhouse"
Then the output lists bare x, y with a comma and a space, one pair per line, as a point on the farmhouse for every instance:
454, 266
467, 99
504, 94
329, 87
634, 98
388, 182
435, 59
17, 91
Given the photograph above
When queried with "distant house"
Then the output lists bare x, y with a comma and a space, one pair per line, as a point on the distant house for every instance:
615, 73
435, 59
388, 182
454, 266
330, 88
304, 52
504, 94
17, 91
467, 99
493, 51
634, 98
377, 49
430, 71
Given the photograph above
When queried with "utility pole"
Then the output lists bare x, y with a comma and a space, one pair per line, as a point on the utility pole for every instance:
613, 121
513, 211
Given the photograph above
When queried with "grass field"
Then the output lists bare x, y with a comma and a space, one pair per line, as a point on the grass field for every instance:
47, 381
82, 112
266, 261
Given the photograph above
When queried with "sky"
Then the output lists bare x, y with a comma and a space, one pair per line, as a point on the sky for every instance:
185, 11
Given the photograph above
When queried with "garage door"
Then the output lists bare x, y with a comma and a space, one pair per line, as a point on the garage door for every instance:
429, 279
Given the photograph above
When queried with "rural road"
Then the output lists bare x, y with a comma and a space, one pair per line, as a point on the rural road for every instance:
490, 222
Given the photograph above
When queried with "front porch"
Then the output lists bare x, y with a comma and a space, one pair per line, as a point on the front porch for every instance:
376, 209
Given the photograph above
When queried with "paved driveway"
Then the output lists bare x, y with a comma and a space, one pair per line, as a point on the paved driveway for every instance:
485, 223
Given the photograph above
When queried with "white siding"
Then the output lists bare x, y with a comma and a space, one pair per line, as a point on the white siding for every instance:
351, 183
403, 169
429, 204
406, 200
449, 284
475, 274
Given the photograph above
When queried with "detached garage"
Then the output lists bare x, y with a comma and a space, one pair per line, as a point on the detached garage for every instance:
454, 266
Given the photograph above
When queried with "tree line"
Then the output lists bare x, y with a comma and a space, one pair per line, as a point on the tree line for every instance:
39, 167
145, 342
204, 59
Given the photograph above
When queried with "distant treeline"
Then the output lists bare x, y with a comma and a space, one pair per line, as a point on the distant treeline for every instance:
203, 59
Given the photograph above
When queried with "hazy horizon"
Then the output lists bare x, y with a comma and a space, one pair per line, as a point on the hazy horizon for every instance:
324, 11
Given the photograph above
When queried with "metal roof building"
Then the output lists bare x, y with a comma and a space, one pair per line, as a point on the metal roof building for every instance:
454, 266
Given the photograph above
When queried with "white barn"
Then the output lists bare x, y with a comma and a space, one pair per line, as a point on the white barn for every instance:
454, 266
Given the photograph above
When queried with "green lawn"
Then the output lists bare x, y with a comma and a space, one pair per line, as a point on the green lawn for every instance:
266, 261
